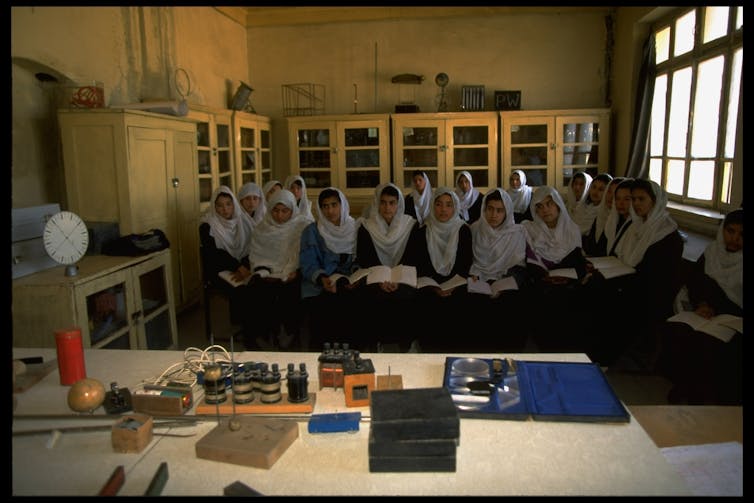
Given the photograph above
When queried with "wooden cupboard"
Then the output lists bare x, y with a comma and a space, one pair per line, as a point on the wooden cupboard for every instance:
137, 169
252, 149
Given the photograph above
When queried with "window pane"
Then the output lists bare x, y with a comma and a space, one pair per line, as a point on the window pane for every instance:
701, 179
657, 131
662, 45
684, 33
675, 177
655, 170
735, 86
726, 188
679, 113
707, 108
740, 17
715, 22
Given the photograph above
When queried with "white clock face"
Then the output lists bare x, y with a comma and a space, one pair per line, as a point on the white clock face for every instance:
66, 237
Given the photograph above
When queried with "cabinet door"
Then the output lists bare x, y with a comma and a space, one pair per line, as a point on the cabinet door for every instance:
150, 193
363, 159
213, 153
418, 144
154, 311
578, 146
187, 281
104, 311
529, 145
472, 147
253, 149
314, 154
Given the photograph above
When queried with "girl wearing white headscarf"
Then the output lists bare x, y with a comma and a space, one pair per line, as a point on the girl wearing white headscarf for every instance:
275, 289
328, 246
595, 243
270, 188
571, 197
553, 240
419, 202
224, 232
520, 195
253, 201
585, 212
620, 217
497, 250
714, 284
297, 185
469, 197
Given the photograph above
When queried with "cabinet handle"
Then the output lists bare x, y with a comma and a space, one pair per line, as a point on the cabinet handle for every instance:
552, 146
175, 182
334, 150
443, 148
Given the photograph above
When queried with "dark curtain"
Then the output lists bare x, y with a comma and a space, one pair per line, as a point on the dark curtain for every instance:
638, 163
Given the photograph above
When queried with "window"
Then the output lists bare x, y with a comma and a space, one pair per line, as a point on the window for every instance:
699, 57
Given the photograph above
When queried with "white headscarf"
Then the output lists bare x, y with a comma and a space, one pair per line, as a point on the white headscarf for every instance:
644, 233
521, 196
275, 245
570, 199
339, 238
468, 199
611, 229
603, 210
442, 237
423, 202
389, 240
584, 214
252, 189
726, 268
497, 249
267, 186
551, 244
304, 205
231, 235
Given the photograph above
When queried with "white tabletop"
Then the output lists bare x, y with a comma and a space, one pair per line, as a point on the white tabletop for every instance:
495, 457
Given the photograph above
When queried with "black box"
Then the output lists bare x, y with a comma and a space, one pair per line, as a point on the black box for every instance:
413, 464
413, 414
412, 448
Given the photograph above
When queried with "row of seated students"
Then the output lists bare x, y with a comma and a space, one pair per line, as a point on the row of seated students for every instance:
290, 260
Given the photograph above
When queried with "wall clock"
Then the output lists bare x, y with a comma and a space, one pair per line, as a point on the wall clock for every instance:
66, 239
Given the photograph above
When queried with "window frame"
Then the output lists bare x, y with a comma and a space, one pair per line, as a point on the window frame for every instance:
725, 45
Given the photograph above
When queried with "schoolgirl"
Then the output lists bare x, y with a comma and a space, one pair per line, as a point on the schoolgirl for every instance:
253, 201
469, 197
419, 201
520, 194
297, 185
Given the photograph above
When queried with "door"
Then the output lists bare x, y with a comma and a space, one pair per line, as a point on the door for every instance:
529, 145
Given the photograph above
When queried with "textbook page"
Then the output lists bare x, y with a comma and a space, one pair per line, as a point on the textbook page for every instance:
610, 266
353, 278
712, 326
492, 289
405, 274
264, 273
567, 272
228, 276
450, 284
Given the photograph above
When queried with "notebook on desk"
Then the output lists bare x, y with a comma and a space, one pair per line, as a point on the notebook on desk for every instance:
546, 391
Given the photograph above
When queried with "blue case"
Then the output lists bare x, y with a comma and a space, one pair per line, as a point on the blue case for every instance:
549, 391
331, 423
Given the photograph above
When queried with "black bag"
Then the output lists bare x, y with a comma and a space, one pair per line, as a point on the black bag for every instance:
134, 245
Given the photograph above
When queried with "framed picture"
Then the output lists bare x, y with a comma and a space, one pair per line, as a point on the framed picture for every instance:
507, 100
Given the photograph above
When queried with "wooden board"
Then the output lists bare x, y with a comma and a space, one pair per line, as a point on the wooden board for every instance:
258, 441
390, 382
35, 372
257, 407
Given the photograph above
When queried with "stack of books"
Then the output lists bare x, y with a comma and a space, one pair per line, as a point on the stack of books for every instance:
413, 430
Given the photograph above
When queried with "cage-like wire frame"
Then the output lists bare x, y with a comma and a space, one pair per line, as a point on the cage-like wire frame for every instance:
303, 99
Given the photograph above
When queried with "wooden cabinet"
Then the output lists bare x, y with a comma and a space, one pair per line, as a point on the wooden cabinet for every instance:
118, 302
137, 169
214, 153
551, 145
252, 149
443, 145
351, 152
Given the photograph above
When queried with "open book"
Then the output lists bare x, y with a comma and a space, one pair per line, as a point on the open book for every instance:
722, 326
492, 289
565, 272
445, 286
264, 273
610, 266
405, 274
228, 276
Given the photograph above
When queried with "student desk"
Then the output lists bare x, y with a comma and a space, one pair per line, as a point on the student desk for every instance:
495, 457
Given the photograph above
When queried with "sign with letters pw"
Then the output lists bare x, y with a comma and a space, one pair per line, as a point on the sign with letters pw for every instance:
507, 100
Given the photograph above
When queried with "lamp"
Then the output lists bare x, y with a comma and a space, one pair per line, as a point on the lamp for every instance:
241, 97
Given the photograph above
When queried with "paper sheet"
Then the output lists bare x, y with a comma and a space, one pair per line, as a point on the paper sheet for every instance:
710, 469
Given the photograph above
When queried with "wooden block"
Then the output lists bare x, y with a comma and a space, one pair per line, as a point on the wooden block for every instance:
257, 407
259, 442
358, 388
132, 433
390, 382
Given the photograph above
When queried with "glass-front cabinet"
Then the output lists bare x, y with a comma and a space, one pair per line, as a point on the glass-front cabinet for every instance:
252, 143
213, 150
443, 145
551, 145
350, 152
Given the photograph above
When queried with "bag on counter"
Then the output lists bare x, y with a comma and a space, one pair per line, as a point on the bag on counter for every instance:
134, 245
